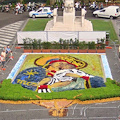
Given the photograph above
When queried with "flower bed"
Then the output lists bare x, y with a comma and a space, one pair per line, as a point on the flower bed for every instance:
93, 67
89, 63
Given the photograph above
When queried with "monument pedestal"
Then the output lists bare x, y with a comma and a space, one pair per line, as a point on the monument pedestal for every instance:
69, 17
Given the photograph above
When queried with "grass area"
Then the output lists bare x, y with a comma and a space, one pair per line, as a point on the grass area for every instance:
105, 25
36, 24
15, 92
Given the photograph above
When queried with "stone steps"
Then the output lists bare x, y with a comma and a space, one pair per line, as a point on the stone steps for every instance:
60, 26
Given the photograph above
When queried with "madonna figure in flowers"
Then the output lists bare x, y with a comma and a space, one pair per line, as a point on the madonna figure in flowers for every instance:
59, 73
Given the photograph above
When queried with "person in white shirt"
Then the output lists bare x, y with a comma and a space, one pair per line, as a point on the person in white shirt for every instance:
76, 6
17, 8
2, 60
3, 54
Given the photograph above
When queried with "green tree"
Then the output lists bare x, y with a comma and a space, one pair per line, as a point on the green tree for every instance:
48, 2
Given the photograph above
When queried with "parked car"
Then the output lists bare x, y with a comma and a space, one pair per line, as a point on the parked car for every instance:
41, 12
108, 12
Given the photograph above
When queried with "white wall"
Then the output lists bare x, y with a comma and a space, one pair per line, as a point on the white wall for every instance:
55, 36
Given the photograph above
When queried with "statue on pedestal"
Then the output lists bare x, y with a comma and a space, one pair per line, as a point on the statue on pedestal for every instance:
69, 22
69, 5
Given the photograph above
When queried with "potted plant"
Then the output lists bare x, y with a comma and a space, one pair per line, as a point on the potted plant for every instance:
35, 44
74, 46
91, 47
46, 47
55, 47
61, 43
71, 44
39, 43
83, 47
101, 46
27, 45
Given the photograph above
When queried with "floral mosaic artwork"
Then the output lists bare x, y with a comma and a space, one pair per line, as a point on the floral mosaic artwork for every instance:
57, 81
59, 72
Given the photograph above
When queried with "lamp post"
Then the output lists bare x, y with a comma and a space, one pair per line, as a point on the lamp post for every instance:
117, 26
119, 32
118, 23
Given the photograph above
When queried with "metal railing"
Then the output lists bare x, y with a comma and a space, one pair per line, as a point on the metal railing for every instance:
116, 55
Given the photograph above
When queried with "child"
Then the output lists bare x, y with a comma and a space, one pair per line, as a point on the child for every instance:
11, 55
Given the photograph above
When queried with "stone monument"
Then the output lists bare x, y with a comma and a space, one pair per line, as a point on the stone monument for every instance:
69, 13
69, 22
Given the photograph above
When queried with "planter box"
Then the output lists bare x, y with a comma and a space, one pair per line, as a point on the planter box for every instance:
108, 47
83, 51
73, 51
92, 51
64, 51
45, 50
55, 50
36, 50
101, 50
17, 47
27, 50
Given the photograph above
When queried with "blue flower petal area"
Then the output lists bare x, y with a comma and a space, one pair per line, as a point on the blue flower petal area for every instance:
106, 67
29, 77
97, 82
16, 67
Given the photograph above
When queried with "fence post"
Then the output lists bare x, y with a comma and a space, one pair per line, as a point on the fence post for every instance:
78, 35
47, 36
119, 51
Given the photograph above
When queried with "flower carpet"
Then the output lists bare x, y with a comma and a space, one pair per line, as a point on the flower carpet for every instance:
60, 80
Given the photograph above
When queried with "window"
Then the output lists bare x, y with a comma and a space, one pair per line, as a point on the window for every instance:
45, 10
117, 10
40, 10
102, 11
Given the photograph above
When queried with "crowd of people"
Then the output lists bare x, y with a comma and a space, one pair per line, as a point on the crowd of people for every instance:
78, 6
96, 6
5, 55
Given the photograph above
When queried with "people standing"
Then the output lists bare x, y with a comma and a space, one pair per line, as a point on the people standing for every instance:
101, 6
3, 58
8, 49
3, 54
17, 8
76, 6
11, 55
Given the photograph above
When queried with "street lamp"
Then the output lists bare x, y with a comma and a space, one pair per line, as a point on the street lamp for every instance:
119, 32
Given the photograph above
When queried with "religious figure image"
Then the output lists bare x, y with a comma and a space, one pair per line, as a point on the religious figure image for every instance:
56, 74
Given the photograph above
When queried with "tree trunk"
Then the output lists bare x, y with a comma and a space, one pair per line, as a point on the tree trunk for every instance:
52, 2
